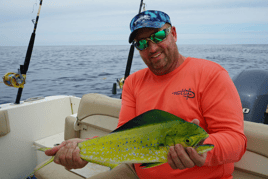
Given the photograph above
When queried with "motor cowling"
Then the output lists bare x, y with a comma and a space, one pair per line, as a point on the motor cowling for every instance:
252, 86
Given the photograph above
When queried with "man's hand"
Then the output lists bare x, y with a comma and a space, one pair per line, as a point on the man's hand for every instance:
180, 158
67, 154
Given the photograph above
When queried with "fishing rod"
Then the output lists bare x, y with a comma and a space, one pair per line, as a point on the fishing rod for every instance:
131, 52
18, 80
129, 61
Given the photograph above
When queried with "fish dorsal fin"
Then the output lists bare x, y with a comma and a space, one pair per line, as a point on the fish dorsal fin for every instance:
154, 116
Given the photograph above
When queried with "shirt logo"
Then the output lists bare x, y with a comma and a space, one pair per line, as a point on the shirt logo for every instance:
185, 93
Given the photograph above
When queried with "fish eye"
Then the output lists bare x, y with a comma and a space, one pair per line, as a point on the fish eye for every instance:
188, 141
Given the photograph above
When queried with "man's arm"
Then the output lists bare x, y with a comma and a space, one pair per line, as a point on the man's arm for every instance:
222, 111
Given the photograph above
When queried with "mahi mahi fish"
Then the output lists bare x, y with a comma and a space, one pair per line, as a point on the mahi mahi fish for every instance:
144, 139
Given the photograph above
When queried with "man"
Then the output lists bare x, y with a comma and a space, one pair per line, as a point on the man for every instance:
189, 88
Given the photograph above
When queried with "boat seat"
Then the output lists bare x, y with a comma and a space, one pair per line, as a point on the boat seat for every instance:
255, 161
98, 115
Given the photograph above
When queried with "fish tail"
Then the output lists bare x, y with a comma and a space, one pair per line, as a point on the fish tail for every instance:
48, 162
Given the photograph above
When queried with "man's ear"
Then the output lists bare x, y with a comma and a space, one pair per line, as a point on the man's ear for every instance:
174, 33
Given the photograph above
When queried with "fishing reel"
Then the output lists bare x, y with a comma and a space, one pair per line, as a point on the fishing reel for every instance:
16, 80
120, 83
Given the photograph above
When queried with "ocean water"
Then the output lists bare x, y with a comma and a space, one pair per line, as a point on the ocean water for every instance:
78, 70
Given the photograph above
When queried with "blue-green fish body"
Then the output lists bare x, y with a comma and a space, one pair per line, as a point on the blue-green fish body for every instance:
145, 139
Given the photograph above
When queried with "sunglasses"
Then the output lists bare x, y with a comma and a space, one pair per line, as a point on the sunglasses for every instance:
155, 38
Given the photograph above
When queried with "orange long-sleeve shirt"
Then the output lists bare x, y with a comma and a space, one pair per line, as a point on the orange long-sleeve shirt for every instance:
198, 89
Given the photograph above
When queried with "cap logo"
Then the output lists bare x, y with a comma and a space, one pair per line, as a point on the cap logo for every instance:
145, 17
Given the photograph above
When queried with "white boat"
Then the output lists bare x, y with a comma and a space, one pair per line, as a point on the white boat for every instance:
48, 121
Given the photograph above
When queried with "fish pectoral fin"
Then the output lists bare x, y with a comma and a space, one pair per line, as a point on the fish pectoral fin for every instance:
149, 165
204, 148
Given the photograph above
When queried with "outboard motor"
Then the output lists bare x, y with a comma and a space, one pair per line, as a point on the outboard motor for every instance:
252, 86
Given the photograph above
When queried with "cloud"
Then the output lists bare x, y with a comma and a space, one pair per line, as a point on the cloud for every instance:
65, 22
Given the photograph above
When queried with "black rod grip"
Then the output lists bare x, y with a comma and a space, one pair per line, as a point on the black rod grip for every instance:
129, 62
18, 96
28, 54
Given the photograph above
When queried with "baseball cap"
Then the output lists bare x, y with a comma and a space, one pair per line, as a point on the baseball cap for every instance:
150, 18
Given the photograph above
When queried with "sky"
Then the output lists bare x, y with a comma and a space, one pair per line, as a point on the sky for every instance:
106, 22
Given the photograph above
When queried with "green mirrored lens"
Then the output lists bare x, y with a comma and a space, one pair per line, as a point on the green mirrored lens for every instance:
159, 36
142, 44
